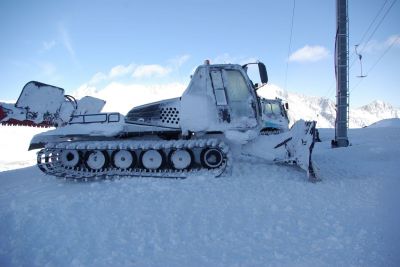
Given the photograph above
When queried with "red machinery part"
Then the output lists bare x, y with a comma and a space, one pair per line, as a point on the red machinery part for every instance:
14, 122
2, 113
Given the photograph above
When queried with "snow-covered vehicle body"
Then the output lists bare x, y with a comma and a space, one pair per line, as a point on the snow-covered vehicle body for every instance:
218, 113
43, 105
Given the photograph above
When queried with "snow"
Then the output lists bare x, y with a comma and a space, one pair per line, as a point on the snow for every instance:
260, 214
14, 143
395, 122
240, 137
198, 113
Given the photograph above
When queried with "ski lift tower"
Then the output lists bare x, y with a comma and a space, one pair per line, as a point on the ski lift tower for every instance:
342, 75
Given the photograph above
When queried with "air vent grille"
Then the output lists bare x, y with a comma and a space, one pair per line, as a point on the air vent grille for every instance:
169, 115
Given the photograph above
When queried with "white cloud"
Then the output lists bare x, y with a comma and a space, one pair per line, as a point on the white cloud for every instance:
393, 40
115, 72
226, 58
48, 45
85, 90
375, 46
137, 71
66, 41
179, 61
145, 71
309, 54
120, 70
98, 77
47, 68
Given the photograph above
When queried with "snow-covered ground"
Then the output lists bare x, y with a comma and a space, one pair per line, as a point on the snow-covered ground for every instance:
260, 215
14, 143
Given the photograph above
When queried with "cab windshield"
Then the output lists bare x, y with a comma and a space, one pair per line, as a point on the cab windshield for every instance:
272, 109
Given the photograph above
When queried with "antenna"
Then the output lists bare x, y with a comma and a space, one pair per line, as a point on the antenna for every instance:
359, 58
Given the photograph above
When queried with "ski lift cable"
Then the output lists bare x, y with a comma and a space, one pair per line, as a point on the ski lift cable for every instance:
367, 30
290, 44
330, 91
396, 40
373, 21
384, 53
377, 26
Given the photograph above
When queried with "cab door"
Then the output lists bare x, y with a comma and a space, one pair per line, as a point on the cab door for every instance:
235, 102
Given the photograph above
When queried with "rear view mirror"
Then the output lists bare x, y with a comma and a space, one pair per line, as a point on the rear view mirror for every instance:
263, 72
252, 73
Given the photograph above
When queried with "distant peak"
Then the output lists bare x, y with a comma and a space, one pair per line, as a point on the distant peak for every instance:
377, 104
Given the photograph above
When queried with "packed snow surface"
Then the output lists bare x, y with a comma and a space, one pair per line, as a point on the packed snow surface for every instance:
394, 122
258, 215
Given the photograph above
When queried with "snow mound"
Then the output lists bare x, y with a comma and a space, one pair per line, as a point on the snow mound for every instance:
395, 122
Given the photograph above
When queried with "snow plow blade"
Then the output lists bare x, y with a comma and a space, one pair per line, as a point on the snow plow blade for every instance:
43, 105
293, 147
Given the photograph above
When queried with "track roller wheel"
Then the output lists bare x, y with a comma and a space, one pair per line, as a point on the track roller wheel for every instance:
152, 159
70, 158
96, 160
123, 159
45, 160
211, 158
180, 159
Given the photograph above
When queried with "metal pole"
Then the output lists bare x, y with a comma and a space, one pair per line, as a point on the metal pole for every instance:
342, 74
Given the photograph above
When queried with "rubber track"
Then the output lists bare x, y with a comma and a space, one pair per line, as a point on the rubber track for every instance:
48, 159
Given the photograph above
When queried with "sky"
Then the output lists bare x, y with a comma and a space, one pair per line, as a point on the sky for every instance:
90, 46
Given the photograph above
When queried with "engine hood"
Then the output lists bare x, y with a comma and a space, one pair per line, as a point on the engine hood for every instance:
165, 113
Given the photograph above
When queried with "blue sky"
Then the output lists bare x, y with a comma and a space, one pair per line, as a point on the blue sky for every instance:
75, 43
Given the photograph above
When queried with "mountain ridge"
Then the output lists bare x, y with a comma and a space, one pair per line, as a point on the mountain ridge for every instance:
323, 110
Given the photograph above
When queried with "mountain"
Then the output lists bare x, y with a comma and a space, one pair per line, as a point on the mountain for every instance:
375, 111
323, 109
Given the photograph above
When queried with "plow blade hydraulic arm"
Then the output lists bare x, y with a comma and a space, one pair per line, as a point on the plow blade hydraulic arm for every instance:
292, 147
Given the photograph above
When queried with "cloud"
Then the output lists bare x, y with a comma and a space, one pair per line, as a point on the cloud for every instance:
120, 70
66, 42
226, 58
47, 68
85, 90
139, 71
309, 54
98, 77
48, 45
115, 72
179, 61
375, 46
131, 70
393, 40
146, 71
